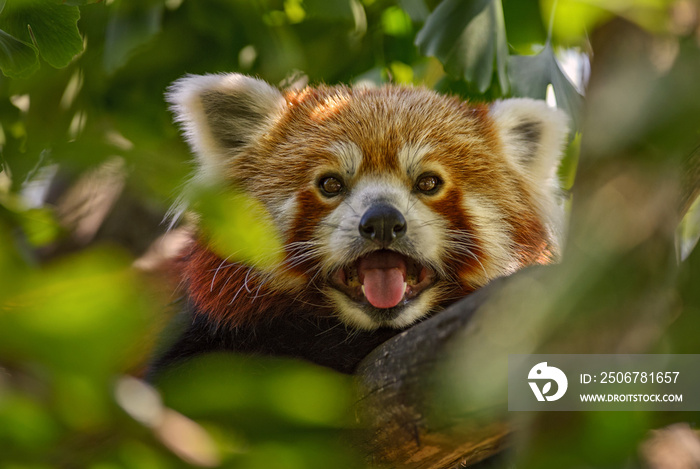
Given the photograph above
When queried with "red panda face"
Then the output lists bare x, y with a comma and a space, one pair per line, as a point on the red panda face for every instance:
392, 202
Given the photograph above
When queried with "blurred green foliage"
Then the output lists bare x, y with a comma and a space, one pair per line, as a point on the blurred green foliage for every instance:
83, 83
223, 212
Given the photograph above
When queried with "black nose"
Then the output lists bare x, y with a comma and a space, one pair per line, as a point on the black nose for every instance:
382, 224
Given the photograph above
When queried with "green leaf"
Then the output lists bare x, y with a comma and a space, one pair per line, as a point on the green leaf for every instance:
80, 3
524, 25
396, 22
49, 25
468, 37
278, 387
91, 305
239, 228
574, 19
569, 164
17, 59
416, 9
401, 73
330, 10
530, 75
127, 30
40, 226
24, 422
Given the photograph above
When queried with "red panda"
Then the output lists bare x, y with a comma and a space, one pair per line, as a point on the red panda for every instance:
392, 203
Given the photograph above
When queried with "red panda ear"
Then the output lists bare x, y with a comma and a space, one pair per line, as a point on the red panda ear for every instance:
532, 134
222, 113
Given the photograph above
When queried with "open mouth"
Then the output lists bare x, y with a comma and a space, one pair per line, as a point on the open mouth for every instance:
383, 278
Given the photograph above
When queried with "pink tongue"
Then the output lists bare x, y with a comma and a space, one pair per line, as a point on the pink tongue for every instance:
384, 288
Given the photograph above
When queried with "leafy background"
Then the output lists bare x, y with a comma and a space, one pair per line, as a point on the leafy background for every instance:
91, 162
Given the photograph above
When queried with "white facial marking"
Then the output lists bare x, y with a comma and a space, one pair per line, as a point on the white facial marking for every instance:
352, 314
492, 232
410, 157
283, 213
349, 156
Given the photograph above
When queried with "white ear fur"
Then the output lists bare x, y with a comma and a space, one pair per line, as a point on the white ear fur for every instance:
221, 113
533, 135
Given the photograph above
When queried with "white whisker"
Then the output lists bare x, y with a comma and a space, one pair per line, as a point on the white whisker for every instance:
211, 287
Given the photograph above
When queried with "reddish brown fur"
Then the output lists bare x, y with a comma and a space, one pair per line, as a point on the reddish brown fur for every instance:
450, 207
232, 293
303, 228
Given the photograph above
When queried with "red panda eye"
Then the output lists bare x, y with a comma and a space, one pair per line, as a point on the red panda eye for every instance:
330, 186
428, 184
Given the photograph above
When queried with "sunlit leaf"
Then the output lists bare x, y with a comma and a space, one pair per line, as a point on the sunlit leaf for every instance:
395, 22
469, 38
574, 19
238, 227
530, 75
401, 73
326, 406
295, 11
49, 25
